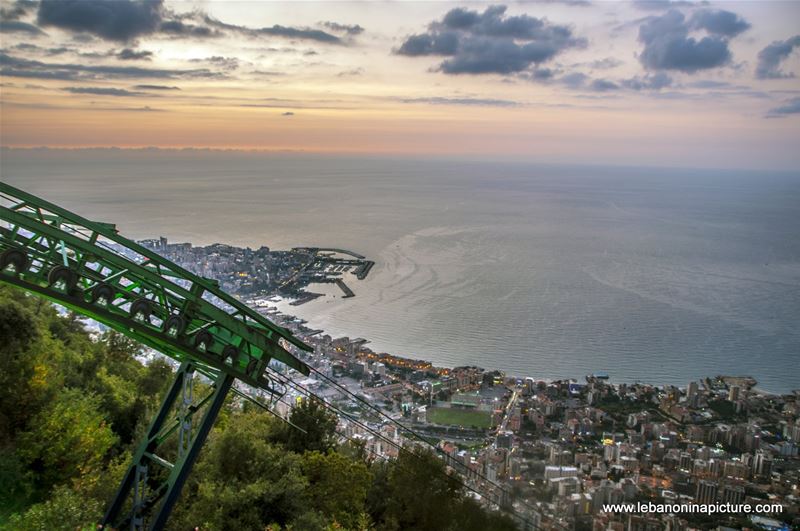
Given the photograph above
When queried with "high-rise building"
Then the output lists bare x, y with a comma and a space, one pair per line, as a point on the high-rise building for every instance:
762, 464
733, 494
733, 393
685, 461
706, 492
691, 391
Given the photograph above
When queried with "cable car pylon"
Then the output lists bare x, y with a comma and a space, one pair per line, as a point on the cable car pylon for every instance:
88, 268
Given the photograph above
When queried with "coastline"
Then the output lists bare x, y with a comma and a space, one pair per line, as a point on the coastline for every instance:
400, 326
299, 326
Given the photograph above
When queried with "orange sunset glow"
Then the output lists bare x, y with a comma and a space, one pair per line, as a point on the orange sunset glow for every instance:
586, 80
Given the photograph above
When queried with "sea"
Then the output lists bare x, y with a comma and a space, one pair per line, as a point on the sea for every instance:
653, 275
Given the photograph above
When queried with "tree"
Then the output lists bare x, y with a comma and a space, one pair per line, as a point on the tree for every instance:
470, 516
16, 486
120, 348
67, 440
19, 331
318, 427
242, 480
122, 400
69, 405
66, 509
156, 377
421, 493
337, 486
17, 328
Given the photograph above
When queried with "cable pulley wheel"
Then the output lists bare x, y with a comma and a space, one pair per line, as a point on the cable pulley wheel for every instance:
63, 278
103, 294
230, 352
174, 326
13, 261
203, 340
141, 310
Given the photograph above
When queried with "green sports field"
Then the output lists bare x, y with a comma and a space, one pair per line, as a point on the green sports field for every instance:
459, 417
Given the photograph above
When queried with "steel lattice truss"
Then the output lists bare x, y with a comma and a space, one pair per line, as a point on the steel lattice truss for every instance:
89, 268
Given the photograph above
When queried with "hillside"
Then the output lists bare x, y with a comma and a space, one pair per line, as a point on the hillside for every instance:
71, 409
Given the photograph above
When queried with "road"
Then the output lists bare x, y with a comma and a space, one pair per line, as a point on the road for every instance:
509, 408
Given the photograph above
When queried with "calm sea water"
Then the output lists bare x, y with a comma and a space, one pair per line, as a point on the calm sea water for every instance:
661, 276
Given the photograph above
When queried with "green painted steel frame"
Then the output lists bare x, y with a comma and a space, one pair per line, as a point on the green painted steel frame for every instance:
69, 260
51, 236
152, 502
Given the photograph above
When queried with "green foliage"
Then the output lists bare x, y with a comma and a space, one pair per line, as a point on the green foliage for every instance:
66, 509
16, 486
243, 481
337, 486
18, 330
421, 494
317, 428
723, 408
67, 406
72, 408
67, 440
470, 516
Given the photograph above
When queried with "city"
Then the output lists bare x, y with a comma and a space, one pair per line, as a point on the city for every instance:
559, 450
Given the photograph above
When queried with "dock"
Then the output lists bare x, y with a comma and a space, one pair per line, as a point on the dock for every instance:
347, 291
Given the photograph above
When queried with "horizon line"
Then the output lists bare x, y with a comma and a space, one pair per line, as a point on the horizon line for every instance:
456, 157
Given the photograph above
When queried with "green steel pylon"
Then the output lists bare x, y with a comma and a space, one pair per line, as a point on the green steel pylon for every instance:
89, 268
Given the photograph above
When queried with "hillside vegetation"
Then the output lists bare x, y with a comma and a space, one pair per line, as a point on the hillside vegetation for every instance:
72, 409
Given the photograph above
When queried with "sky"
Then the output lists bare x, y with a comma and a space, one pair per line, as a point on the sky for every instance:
661, 83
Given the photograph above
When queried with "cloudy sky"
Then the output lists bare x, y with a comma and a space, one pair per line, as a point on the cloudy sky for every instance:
711, 84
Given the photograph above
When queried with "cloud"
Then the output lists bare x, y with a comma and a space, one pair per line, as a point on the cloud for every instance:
180, 29
668, 46
128, 109
116, 20
299, 33
350, 29
719, 22
790, 107
18, 67
127, 54
543, 74
155, 87
574, 80
228, 63
64, 75
350, 73
709, 84
603, 85
425, 44
490, 42
649, 82
275, 31
664, 5
267, 73
103, 91
58, 51
478, 102
575, 3
605, 64
16, 26
17, 10
770, 58
584, 82
126, 20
